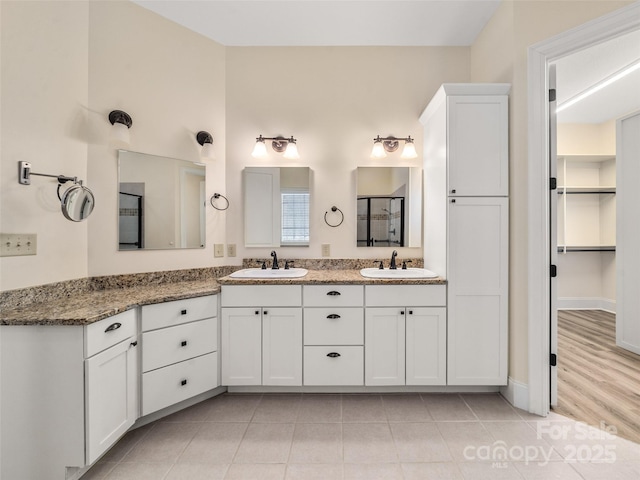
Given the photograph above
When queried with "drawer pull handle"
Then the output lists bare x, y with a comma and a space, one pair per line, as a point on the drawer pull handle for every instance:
183, 312
333, 293
333, 315
333, 355
133, 344
183, 343
183, 383
112, 327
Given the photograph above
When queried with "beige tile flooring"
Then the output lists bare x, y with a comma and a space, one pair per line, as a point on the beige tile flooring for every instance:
366, 436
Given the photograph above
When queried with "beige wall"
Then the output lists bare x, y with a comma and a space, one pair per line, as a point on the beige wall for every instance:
44, 100
334, 100
500, 55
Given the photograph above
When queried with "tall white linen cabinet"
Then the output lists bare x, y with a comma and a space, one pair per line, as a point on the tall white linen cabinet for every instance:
466, 224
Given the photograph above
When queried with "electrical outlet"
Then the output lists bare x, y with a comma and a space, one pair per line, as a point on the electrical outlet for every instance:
15, 244
326, 249
231, 250
218, 249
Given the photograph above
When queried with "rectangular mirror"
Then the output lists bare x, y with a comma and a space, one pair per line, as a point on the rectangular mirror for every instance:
276, 206
389, 207
161, 202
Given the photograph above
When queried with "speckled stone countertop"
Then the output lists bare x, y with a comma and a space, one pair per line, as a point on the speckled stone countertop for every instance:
320, 277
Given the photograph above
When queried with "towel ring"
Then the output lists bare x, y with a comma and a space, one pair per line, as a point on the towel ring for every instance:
334, 209
217, 196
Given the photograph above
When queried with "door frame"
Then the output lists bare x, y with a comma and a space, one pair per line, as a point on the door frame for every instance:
620, 22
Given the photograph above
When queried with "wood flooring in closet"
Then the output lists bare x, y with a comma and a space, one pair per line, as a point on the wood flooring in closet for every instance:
597, 380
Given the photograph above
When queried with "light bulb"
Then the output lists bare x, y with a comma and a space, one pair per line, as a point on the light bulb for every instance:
378, 150
207, 151
120, 135
259, 150
409, 150
292, 151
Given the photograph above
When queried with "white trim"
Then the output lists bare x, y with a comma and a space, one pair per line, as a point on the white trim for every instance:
587, 303
620, 22
363, 389
517, 394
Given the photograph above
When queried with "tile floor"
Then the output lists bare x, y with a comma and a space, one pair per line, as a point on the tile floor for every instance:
394, 436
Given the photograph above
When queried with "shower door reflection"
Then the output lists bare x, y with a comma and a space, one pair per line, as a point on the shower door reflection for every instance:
381, 222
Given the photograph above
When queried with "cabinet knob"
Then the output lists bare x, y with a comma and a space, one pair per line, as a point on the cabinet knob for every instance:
133, 344
333, 315
112, 327
183, 382
333, 355
266, 312
333, 293
453, 190
183, 343
410, 312
401, 312
183, 312
257, 312
453, 200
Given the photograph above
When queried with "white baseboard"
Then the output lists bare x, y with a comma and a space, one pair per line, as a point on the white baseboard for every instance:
586, 303
517, 394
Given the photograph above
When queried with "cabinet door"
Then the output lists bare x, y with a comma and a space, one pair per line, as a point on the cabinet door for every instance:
111, 396
384, 341
426, 346
477, 145
282, 346
477, 291
241, 346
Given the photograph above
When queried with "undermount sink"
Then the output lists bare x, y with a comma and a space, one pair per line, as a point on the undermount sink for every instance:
399, 273
270, 273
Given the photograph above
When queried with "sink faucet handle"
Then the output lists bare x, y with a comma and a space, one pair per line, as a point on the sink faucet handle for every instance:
264, 264
404, 264
287, 263
381, 266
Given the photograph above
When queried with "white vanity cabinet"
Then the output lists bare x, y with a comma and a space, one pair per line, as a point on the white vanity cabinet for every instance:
466, 236
261, 335
179, 351
405, 335
333, 335
81, 383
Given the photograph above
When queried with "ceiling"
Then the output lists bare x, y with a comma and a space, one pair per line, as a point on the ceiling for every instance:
330, 22
577, 72
403, 23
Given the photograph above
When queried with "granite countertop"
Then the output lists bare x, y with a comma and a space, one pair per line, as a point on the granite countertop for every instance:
320, 277
88, 307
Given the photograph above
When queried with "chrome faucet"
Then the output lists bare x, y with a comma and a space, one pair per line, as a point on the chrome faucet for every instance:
275, 260
392, 265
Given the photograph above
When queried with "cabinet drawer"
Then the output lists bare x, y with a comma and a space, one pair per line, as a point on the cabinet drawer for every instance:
333, 326
175, 344
345, 369
175, 383
263, 295
406, 295
180, 311
333, 295
106, 333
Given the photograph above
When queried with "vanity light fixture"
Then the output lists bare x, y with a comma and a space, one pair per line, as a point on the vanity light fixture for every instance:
206, 140
279, 144
121, 122
382, 145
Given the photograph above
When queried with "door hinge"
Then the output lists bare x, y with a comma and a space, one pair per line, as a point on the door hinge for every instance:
554, 271
553, 360
553, 183
552, 94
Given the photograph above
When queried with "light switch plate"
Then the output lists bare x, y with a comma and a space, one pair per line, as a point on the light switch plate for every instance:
231, 250
16, 244
218, 250
326, 249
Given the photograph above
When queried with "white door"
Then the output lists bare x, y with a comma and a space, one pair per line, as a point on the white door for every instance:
241, 346
282, 346
384, 346
477, 290
426, 346
111, 392
553, 230
628, 233
478, 145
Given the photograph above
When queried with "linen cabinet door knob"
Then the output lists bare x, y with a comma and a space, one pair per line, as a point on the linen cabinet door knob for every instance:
183, 312
183, 343
257, 312
401, 312
183, 382
266, 313
410, 312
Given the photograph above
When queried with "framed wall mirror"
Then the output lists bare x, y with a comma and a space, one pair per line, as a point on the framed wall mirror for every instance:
389, 207
161, 202
276, 206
